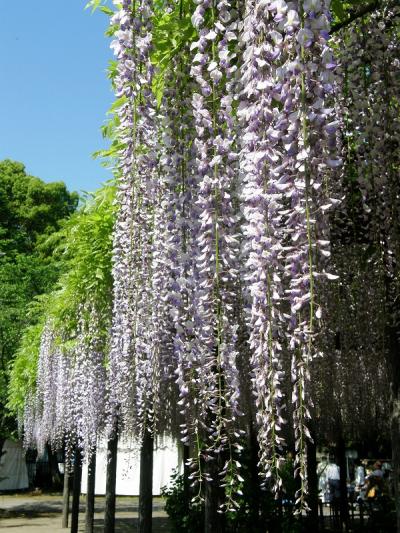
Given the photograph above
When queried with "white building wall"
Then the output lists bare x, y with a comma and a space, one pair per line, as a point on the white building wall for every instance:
165, 460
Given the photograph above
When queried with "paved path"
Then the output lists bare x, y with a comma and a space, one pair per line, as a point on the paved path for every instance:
30, 513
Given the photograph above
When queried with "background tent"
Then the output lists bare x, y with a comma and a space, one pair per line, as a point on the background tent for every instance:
13, 470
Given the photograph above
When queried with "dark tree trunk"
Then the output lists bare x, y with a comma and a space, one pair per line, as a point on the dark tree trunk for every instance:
109, 514
66, 493
213, 520
312, 478
91, 482
344, 504
146, 484
76, 490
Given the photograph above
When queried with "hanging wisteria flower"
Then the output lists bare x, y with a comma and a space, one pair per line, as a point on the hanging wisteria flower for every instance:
287, 81
214, 353
132, 338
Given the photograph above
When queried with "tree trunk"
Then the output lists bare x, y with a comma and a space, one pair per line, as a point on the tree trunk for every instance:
66, 493
344, 504
109, 514
213, 521
312, 479
146, 484
76, 490
91, 482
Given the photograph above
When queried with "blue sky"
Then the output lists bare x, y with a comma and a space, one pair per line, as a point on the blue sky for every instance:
54, 92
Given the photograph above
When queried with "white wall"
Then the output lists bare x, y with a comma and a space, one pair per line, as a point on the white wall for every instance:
165, 460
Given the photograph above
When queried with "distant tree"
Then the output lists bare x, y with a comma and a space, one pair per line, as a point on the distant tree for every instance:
30, 211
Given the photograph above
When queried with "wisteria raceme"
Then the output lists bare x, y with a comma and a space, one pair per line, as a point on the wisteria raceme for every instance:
264, 235
46, 393
131, 338
287, 151
124, 252
307, 194
179, 183
64, 424
48, 416
217, 378
88, 380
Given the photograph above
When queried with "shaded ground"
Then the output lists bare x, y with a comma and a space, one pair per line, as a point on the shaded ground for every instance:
32, 513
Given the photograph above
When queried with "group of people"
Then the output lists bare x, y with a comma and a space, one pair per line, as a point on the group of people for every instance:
368, 483
372, 483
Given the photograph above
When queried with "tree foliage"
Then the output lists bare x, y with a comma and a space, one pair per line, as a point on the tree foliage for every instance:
30, 211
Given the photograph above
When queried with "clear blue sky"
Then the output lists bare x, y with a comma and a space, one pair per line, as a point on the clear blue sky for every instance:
54, 92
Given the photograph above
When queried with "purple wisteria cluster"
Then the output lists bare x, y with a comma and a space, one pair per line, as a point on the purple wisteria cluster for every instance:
220, 238
48, 416
288, 146
214, 70
68, 406
88, 380
179, 182
134, 351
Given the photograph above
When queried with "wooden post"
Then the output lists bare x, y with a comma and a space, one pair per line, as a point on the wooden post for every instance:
66, 493
109, 513
91, 482
146, 484
76, 490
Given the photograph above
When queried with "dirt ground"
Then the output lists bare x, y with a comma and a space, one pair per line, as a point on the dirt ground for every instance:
33, 513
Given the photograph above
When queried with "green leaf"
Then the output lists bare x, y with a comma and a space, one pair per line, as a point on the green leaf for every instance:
338, 9
94, 4
107, 10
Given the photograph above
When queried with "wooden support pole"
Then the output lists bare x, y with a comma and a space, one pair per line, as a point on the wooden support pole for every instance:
146, 484
66, 494
91, 482
109, 514
76, 490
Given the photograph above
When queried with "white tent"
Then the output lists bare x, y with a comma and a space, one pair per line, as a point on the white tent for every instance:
13, 471
165, 460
